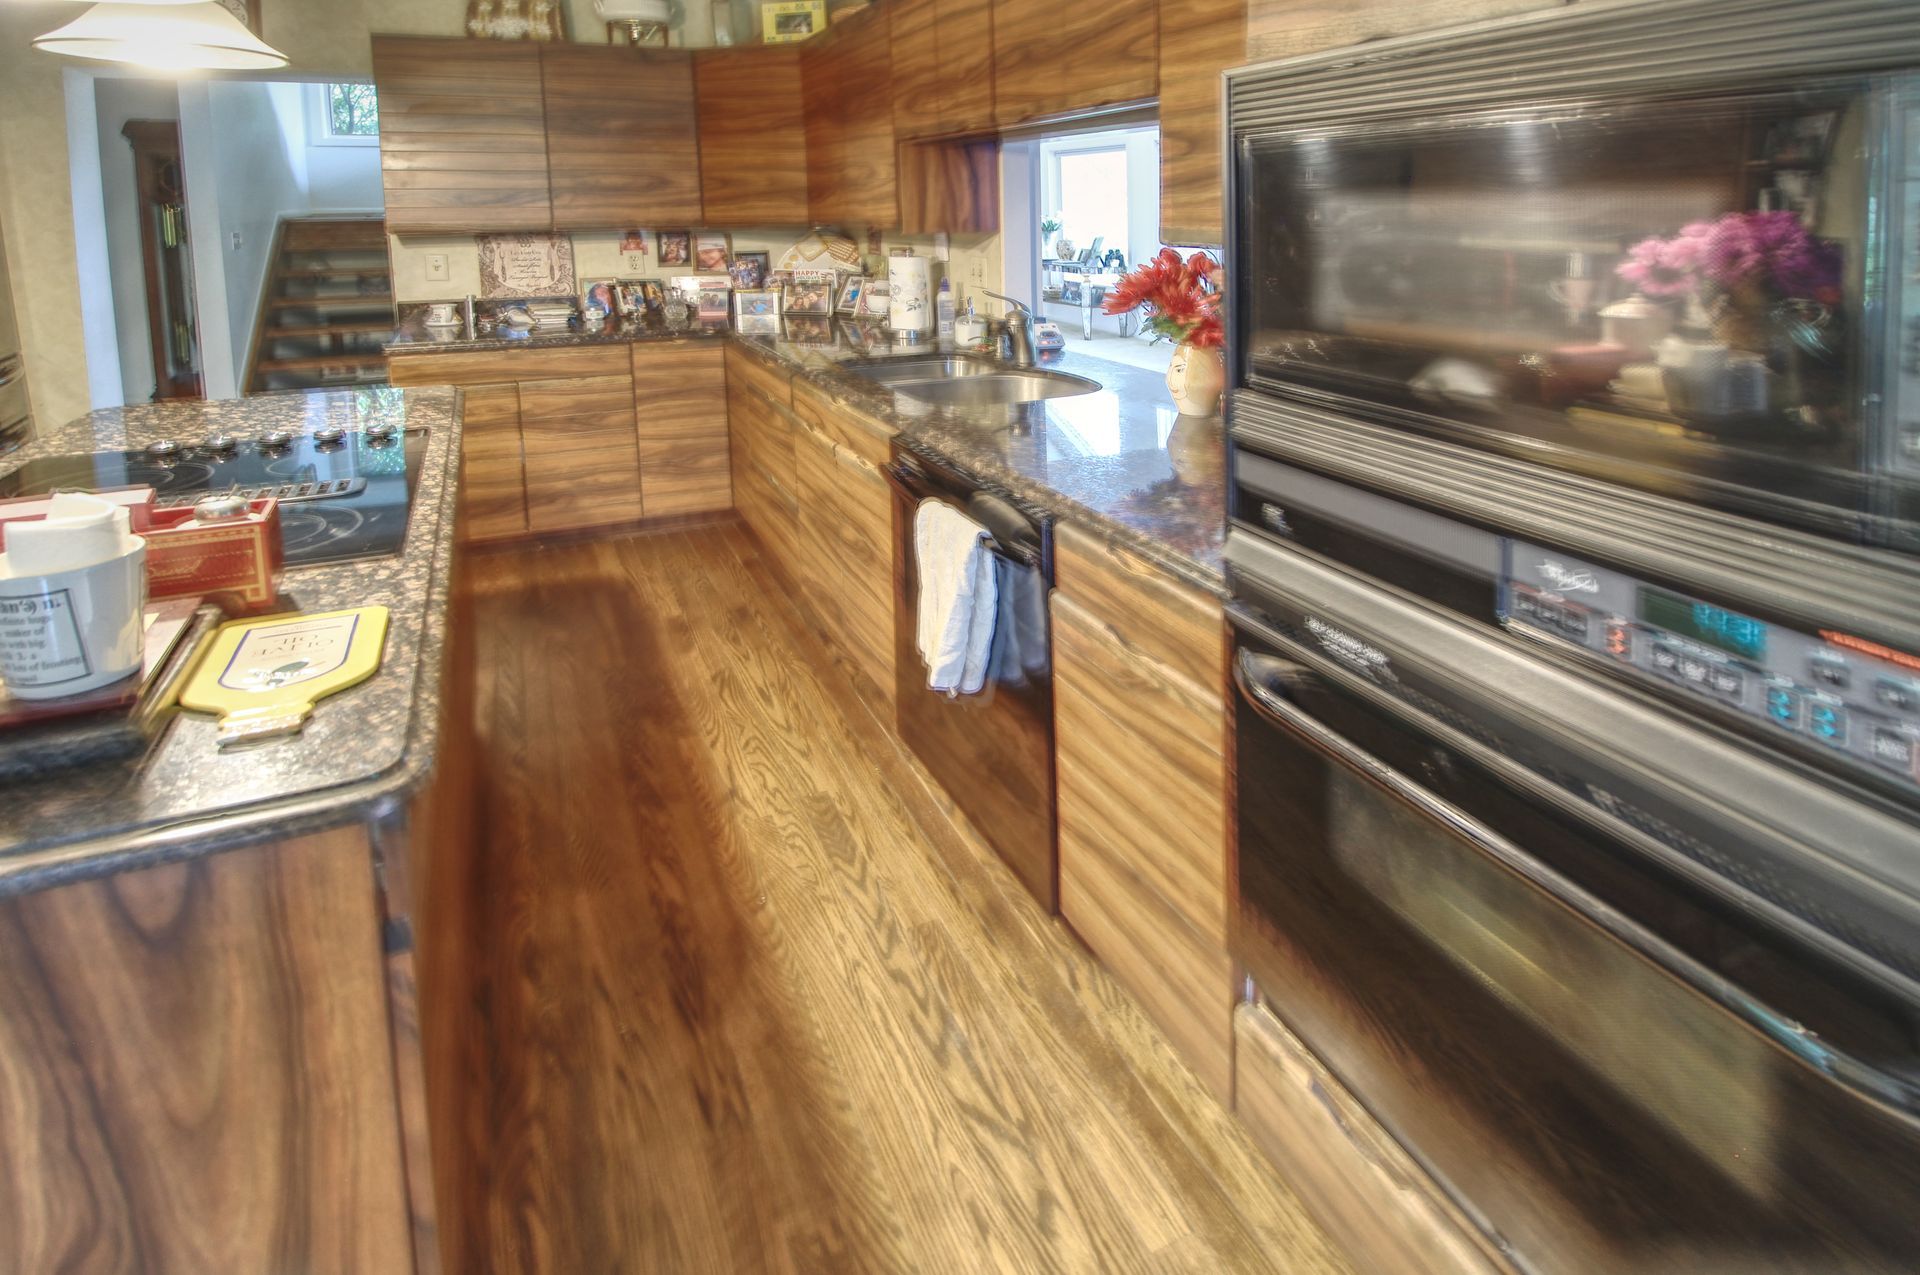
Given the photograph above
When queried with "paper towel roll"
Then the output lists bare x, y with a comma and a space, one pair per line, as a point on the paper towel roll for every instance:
912, 305
78, 531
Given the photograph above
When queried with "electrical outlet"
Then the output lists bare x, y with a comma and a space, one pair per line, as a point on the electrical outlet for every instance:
438, 270
237, 241
633, 263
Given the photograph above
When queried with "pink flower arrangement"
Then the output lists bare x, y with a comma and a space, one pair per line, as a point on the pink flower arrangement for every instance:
1771, 251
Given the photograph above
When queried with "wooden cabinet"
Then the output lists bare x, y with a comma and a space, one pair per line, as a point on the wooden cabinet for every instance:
952, 184
1140, 761
463, 138
680, 420
846, 533
1284, 28
493, 480
848, 92
583, 461
1052, 59
1371, 1197
1199, 39
753, 136
942, 53
761, 429
622, 148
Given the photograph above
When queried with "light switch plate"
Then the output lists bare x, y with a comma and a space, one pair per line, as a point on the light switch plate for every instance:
437, 268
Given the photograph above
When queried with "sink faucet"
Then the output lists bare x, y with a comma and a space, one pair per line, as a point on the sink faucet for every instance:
1019, 330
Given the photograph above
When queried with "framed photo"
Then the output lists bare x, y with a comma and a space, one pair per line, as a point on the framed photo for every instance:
604, 293
711, 251
676, 248
784, 21
712, 300
811, 292
750, 270
757, 313
642, 297
876, 299
850, 295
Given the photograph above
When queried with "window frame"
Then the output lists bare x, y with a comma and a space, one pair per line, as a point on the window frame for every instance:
320, 117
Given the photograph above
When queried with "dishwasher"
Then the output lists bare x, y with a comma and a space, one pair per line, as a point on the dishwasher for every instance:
992, 751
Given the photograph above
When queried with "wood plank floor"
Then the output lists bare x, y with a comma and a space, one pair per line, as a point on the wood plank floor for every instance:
749, 1002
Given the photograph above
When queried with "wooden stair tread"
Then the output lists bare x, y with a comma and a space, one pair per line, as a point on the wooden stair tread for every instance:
362, 300
352, 327
334, 272
315, 362
324, 252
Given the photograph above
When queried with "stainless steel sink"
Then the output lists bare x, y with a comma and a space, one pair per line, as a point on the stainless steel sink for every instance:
955, 382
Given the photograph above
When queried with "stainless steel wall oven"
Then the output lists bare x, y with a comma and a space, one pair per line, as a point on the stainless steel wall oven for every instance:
1575, 394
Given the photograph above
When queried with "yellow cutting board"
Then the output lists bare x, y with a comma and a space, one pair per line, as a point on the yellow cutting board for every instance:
264, 676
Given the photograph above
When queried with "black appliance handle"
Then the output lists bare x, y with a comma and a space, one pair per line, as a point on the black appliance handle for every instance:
1013, 532
1268, 684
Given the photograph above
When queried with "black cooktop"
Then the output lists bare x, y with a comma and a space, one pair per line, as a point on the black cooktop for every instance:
340, 497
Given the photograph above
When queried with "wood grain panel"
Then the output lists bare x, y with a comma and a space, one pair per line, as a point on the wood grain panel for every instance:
1051, 59
918, 110
845, 551
771, 380
1142, 753
486, 367
966, 66
195, 1070
1198, 40
865, 436
493, 484
1161, 619
951, 185
849, 122
582, 458
434, 96
1361, 1185
1283, 28
622, 144
753, 136
680, 419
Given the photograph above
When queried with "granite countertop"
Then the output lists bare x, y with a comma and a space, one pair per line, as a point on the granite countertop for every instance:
366, 747
1120, 461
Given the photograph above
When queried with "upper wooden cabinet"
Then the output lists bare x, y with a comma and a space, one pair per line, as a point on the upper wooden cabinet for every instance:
942, 67
1199, 40
622, 146
1051, 59
849, 109
463, 138
753, 136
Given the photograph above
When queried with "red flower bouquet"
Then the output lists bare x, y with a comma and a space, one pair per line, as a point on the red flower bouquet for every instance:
1181, 298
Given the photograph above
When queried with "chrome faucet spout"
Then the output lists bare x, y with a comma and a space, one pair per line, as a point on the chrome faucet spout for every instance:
1019, 331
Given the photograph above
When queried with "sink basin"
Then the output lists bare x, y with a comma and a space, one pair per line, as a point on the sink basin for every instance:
955, 382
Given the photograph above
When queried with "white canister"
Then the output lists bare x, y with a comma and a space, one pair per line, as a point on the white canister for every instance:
911, 305
66, 632
1636, 325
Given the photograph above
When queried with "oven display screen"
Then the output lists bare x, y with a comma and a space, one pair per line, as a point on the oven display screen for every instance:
1728, 630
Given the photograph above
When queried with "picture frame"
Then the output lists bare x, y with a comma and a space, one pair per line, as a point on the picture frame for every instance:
756, 312
604, 293
712, 251
876, 300
676, 248
810, 292
787, 21
850, 291
643, 298
713, 300
750, 270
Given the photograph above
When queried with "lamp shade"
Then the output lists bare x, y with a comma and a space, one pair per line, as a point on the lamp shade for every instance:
181, 35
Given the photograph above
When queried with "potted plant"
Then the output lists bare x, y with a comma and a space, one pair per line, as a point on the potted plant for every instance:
1181, 298
1049, 227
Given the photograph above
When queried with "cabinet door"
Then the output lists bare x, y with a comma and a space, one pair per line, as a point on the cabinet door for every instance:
621, 143
942, 67
845, 554
753, 136
849, 107
915, 34
680, 419
493, 483
1204, 38
1050, 59
463, 139
582, 459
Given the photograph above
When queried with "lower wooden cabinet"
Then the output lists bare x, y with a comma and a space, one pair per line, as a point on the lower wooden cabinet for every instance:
845, 554
583, 461
493, 476
680, 419
1140, 729
761, 425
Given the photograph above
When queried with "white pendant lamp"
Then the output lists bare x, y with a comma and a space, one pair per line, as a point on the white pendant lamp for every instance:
164, 35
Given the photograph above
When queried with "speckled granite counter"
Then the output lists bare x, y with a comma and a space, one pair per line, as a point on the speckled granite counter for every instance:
1120, 461
365, 748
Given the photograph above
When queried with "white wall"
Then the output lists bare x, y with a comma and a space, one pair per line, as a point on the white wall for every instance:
93, 277
343, 176
118, 102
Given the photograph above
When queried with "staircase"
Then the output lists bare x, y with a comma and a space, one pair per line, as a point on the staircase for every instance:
327, 306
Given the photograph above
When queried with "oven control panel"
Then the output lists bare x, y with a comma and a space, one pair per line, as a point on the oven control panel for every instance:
1855, 698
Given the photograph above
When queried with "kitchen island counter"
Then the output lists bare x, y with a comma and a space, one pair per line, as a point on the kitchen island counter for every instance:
365, 750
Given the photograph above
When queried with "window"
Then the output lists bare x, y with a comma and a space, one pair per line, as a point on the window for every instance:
1093, 196
349, 112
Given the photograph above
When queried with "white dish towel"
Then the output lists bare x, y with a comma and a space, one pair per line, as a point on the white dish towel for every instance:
958, 597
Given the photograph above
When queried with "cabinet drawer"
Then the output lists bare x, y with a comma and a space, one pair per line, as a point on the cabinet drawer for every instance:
684, 474
1163, 619
865, 436
775, 383
1141, 757
481, 367
564, 494
587, 398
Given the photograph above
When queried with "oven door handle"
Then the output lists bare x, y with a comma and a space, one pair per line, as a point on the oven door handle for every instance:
1268, 685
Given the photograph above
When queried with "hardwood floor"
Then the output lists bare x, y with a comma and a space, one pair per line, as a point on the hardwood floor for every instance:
748, 1002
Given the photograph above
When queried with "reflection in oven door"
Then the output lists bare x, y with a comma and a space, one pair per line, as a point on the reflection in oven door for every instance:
1526, 1006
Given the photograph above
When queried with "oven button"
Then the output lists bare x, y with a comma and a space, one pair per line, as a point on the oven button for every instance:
1828, 723
1829, 672
1573, 623
222, 444
276, 439
1727, 682
1665, 660
1783, 706
1892, 749
1898, 696
162, 448
1694, 671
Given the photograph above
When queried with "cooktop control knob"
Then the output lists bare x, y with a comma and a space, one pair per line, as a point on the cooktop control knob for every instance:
328, 434
223, 444
381, 430
161, 448
276, 439
220, 508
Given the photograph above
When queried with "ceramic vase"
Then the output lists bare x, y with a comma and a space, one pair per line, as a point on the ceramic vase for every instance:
1195, 379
